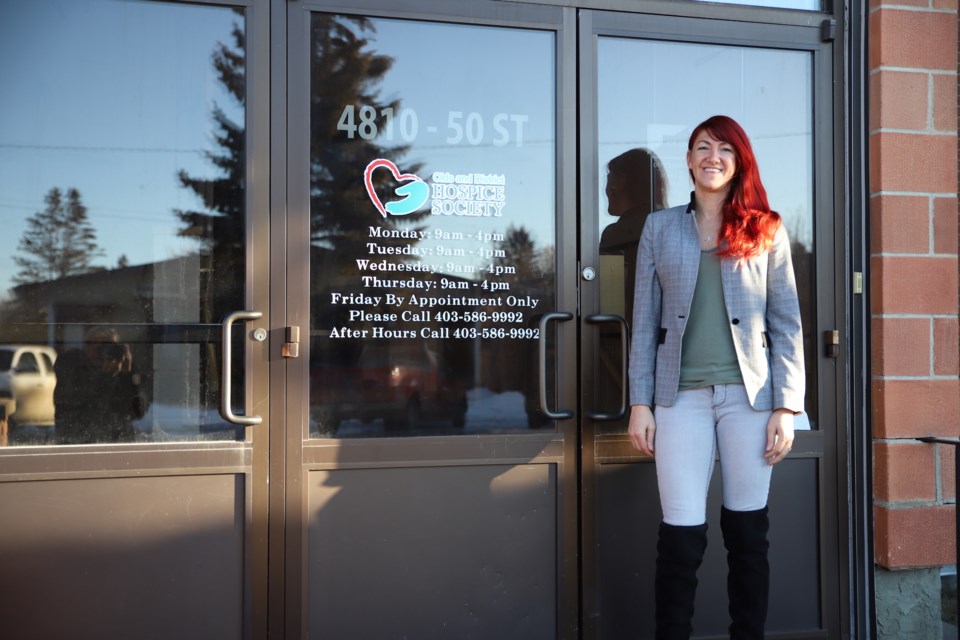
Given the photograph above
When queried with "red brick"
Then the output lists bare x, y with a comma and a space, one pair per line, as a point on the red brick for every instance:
904, 471
898, 100
945, 102
946, 347
921, 537
899, 3
945, 4
900, 224
913, 39
914, 408
901, 346
874, 4
914, 285
945, 231
948, 472
913, 162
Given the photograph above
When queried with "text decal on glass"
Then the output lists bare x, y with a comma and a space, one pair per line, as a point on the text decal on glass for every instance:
404, 125
435, 283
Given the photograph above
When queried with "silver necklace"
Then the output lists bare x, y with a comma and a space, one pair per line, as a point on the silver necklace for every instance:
706, 238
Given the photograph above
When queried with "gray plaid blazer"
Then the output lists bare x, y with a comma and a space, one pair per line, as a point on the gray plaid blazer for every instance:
762, 307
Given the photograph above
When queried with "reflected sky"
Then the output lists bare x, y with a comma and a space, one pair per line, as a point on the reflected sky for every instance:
112, 98
675, 86
810, 5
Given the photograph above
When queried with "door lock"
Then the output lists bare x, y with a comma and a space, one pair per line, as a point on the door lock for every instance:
291, 343
831, 343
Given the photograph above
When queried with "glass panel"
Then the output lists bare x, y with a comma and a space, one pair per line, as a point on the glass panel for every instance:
810, 5
644, 126
432, 225
122, 203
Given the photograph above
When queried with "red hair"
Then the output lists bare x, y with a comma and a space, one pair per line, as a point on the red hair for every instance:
749, 224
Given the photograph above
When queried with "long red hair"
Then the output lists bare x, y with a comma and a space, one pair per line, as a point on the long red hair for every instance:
749, 224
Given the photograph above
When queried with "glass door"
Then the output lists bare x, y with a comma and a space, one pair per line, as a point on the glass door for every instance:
646, 82
431, 461
133, 319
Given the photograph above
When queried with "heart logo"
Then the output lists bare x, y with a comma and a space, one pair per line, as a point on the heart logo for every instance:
414, 191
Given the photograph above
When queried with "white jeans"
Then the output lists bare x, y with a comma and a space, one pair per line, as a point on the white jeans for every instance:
685, 445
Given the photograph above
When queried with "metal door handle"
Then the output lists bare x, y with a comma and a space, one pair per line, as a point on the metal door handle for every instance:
226, 410
559, 316
601, 319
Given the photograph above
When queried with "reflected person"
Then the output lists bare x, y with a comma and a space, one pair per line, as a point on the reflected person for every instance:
718, 347
98, 393
636, 186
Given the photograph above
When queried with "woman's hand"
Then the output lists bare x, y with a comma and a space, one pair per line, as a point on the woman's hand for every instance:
642, 427
779, 436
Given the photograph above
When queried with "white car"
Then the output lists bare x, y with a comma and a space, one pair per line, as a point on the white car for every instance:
27, 381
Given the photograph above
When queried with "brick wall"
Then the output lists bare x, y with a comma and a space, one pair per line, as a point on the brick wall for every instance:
914, 162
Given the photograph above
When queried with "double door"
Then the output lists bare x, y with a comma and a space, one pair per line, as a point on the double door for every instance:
384, 389
473, 204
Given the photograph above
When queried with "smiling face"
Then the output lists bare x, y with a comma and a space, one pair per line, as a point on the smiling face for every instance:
712, 163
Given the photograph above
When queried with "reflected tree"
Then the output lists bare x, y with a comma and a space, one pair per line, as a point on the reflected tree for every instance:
345, 77
220, 227
531, 266
345, 74
530, 271
58, 241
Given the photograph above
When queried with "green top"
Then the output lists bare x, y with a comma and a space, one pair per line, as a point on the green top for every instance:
708, 356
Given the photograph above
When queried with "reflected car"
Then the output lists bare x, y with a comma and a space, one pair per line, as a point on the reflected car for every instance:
27, 381
404, 384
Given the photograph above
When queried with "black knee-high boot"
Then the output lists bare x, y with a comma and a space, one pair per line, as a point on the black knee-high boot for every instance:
679, 554
748, 580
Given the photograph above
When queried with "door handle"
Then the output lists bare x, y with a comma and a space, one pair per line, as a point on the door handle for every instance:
559, 316
226, 382
603, 318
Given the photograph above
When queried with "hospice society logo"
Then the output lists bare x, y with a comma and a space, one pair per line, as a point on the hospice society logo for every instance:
413, 191
464, 194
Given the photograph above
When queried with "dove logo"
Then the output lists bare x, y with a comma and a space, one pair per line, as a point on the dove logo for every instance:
413, 191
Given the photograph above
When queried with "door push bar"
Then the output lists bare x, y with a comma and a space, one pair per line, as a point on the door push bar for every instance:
620, 322
226, 382
559, 316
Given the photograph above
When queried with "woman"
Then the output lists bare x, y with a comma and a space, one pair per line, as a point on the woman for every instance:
636, 186
717, 348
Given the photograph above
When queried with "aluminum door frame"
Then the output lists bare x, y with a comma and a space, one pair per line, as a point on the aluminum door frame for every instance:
829, 443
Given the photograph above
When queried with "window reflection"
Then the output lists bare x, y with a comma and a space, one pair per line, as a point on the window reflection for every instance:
432, 225
809, 5
765, 91
122, 198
